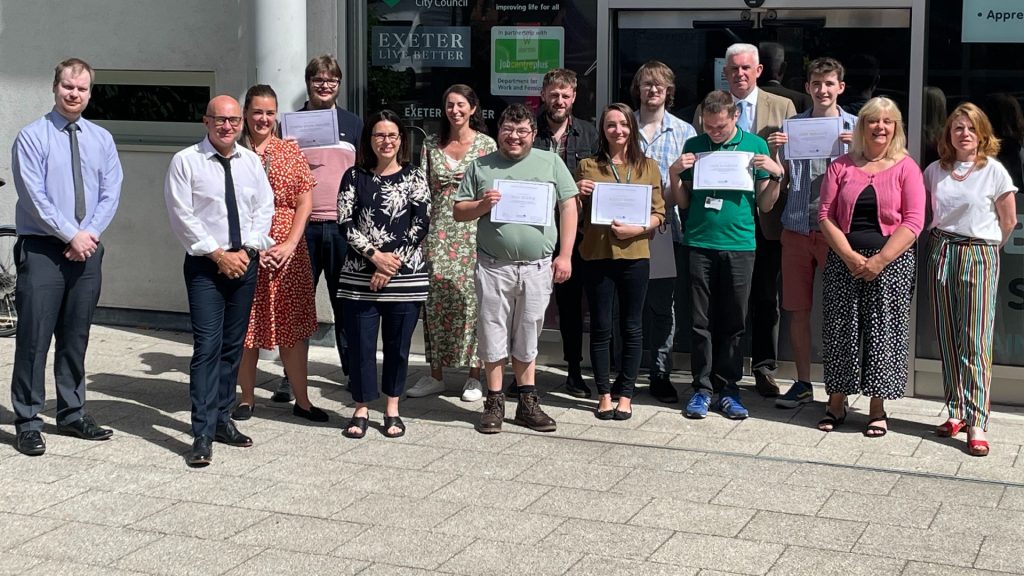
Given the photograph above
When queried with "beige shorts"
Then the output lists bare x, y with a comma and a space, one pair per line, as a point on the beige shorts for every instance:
512, 298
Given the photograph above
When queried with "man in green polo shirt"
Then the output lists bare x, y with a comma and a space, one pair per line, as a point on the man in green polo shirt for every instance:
514, 269
720, 234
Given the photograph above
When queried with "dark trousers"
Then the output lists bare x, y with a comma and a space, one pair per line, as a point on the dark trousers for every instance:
764, 304
395, 321
627, 279
219, 308
719, 291
54, 298
327, 248
569, 299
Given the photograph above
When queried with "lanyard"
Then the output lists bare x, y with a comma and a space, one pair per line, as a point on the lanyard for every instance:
629, 174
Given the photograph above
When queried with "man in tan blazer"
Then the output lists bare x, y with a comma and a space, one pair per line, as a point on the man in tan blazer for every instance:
760, 113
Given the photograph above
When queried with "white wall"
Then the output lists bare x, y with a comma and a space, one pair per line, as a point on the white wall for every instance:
142, 269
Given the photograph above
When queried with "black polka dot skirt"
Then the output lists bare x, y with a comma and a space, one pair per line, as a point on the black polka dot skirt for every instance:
866, 327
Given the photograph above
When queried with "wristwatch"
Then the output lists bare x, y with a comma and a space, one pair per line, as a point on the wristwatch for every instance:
774, 178
251, 252
370, 252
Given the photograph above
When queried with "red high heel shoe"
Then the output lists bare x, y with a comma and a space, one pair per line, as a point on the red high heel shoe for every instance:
976, 447
949, 428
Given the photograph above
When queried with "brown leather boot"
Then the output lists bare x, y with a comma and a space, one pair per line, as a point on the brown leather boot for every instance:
494, 413
529, 414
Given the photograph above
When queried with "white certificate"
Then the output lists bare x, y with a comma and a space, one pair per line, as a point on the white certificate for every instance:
522, 202
723, 170
810, 138
311, 128
625, 203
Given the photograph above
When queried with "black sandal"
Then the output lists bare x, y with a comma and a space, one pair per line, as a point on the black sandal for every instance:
832, 420
620, 415
360, 422
605, 414
394, 422
881, 431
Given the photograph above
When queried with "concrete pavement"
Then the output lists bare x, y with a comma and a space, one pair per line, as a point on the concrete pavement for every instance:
655, 495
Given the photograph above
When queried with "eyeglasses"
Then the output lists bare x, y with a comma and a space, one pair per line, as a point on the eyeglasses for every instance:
234, 121
653, 86
329, 82
521, 132
380, 137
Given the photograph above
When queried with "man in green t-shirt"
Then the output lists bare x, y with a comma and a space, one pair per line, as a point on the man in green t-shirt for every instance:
514, 270
720, 233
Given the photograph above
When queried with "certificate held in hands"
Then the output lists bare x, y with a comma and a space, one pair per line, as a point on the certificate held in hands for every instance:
723, 170
812, 138
623, 203
311, 128
523, 202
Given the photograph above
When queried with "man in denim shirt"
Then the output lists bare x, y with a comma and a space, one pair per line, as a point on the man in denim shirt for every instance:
803, 246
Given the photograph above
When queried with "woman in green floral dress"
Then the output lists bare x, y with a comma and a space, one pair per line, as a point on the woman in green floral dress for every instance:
450, 327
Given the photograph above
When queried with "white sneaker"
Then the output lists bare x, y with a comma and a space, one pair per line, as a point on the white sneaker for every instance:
472, 391
425, 386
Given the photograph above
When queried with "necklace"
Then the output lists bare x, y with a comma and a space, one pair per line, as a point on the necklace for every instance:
961, 177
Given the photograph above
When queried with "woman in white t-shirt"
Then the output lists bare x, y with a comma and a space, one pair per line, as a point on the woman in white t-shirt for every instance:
973, 214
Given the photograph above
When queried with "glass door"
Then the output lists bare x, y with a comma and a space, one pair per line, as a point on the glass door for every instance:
874, 45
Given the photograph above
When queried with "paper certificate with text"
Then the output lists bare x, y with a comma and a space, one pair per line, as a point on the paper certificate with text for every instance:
723, 170
812, 138
311, 128
523, 202
623, 203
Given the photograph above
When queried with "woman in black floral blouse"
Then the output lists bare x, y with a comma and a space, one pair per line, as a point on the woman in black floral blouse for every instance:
383, 209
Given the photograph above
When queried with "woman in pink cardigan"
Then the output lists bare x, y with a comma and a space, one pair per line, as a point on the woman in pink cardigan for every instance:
872, 210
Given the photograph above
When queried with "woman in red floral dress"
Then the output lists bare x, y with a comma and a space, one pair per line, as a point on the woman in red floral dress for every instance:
283, 309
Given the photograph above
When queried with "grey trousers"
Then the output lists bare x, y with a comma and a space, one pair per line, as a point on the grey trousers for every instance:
55, 298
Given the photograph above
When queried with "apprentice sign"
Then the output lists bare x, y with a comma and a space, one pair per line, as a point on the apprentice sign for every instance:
437, 46
993, 21
521, 55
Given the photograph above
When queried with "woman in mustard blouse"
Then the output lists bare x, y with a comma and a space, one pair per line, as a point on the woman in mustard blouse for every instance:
617, 255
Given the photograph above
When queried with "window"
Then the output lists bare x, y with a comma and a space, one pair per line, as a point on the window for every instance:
151, 107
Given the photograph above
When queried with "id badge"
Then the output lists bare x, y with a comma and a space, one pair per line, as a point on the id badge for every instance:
713, 203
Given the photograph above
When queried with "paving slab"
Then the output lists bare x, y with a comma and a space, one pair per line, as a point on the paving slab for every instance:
876, 509
511, 526
409, 548
588, 504
607, 538
497, 494
86, 543
397, 512
955, 548
485, 558
693, 517
717, 553
948, 490
182, 556
107, 508
810, 561
592, 565
775, 497
796, 530
666, 484
297, 533
1001, 553
930, 569
284, 563
573, 474
18, 528
202, 521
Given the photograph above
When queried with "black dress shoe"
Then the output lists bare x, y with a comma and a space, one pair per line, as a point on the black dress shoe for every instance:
314, 414
202, 452
575, 386
663, 390
30, 443
228, 434
283, 392
85, 428
765, 385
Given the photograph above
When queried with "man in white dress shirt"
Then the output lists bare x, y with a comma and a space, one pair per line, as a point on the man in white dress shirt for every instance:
220, 205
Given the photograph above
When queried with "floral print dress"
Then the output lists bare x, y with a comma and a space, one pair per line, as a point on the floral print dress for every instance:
284, 307
450, 329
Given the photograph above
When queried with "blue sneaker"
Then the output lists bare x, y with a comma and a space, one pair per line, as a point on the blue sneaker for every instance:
732, 408
799, 393
698, 406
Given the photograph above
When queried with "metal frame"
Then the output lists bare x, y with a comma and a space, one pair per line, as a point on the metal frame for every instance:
605, 57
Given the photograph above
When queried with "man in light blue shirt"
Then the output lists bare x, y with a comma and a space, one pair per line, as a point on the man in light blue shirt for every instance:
68, 178
662, 136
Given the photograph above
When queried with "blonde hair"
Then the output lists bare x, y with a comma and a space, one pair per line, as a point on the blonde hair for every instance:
873, 110
988, 144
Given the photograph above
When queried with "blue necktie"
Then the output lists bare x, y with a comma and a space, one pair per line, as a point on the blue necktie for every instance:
234, 227
744, 121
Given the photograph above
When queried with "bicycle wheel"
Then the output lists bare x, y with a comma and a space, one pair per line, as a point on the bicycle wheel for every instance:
8, 280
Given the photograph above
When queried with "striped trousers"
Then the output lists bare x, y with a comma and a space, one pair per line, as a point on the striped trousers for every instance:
963, 281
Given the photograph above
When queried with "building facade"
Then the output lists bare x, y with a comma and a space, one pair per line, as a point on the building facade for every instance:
159, 62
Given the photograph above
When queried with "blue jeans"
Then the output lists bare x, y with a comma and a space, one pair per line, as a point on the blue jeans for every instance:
327, 248
395, 321
605, 279
219, 309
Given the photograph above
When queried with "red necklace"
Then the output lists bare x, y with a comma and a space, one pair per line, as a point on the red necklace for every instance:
960, 178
